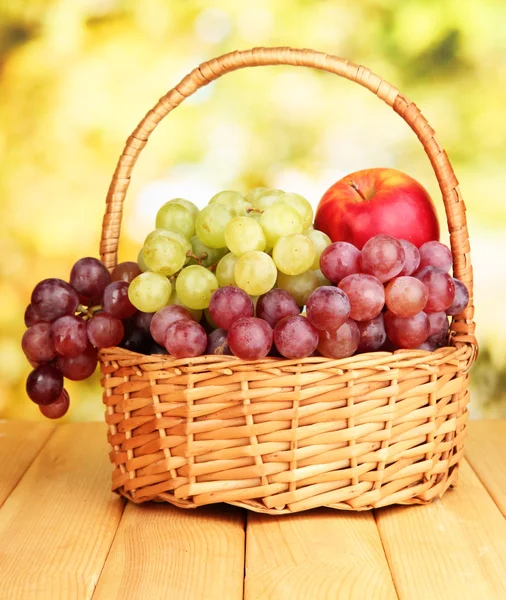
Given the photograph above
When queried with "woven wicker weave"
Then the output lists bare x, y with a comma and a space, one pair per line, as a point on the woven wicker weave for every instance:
279, 436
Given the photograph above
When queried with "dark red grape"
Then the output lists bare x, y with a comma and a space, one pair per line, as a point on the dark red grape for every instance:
105, 331
79, 367
440, 286
438, 328
382, 256
69, 335
228, 304
250, 338
116, 302
411, 258
125, 271
31, 317
44, 384
164, 318
340, 343
295, 337
372, 334
185, 339
339, 260
54, 298
135, 339
89, 277
142, 321
407, 332
276, 305
328, 308
58, 408
428, 346
435, 254
37, 343
406, 296
366, 294
154, 348
217, 342
461, 299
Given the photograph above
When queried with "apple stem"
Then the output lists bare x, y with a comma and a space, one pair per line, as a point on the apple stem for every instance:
357, 189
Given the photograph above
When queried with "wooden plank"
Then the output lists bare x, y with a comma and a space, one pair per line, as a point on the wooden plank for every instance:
485, 449
321, 553
57, 526
20, 442
453, 548
161, 551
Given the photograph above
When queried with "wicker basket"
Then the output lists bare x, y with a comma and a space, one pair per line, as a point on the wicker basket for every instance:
280, 436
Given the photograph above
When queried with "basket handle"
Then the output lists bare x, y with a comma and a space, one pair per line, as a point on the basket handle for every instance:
463, 326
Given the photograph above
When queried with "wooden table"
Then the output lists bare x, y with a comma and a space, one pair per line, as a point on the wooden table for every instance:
63, 534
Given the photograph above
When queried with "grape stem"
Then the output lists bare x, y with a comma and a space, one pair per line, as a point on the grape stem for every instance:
252, 209
88, 312
199, 259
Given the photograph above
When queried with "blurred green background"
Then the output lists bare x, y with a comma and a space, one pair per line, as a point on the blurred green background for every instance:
76, 77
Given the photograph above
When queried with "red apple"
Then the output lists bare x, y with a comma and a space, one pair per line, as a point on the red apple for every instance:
373, 201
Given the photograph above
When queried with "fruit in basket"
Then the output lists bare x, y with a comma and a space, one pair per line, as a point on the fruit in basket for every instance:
255, 273
164, 318
366, 295
461, 299
275, 305
177, 217
372, 334
411, 258
294, 254
407, 332
44, 384
435, 254
382, 256
185, 338
440, 286
250, 338
228, 304
328, 308
340, 343
149, 292
243, 234
373, 201
195, 285
53, 298
295, 337
339, 260
406, 296
58, 408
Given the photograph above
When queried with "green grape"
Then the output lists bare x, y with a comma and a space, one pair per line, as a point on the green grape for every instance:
243, 234
176, 217
170, 233
194, 211
301, 205
164, 255
322, 280
210, 224
225, 270
213, 255
196, 313
299, 286
149, 292
308, 230
195, 286
320, 241
255, 193
293, 254
140, 261
267, 198
279, 220
255, 273
234, 201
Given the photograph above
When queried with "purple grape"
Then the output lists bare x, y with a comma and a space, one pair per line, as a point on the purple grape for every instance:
441, 288
250, 338
44, 384
89, 277
461, 299
135, 339
105, 331
435, 254
142, 321
58, 408
438, 328
37, 343
276, 305
154, 348
217, 342
79, 367
366, 295
328, 308
339, 260
411, 258
69, 335
295, 337
164, 318
53, 298
31, 317
185, 339
125, 271
340, 343
116, 302
228, 304
382, 256
372, 334
407, 332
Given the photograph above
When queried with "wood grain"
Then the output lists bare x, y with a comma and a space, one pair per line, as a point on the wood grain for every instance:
485, 450
454, 548
161, 551
58, 524
19, 444
317, 554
